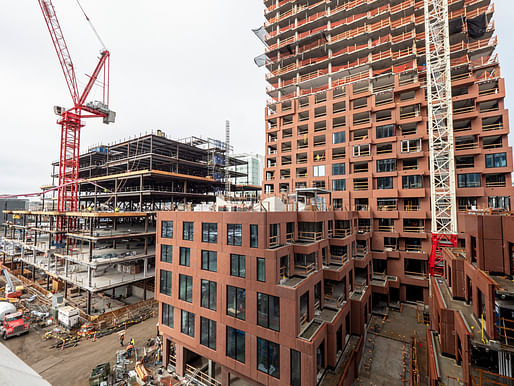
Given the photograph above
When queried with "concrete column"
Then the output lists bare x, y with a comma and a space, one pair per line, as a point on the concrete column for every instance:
65, 289
179, 359
165, 352
144, 289
89, 302
33, 273
211, 369
225, 376
66, 268
145, 267
89, 276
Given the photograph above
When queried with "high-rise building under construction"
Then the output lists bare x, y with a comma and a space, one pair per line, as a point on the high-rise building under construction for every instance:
348, 113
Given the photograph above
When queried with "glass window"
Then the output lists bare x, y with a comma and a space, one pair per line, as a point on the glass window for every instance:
319, 171
209, 232
385, 131
296, 366
186, 288
261, 269
209, 294
268, 311
188, 323
209, 260
497, 160
470, 180
386, 165
236, 302
412, 182
208, 333
166, 252
499, 202
165, 287
339, 137
167, 315
254, 236
237, 265
268, 357
187, 233
236, 344
234, 234
185, 256
384, 182
339, 185
167, 229
338, 169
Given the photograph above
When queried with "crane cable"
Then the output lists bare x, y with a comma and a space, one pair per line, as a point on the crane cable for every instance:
92, 26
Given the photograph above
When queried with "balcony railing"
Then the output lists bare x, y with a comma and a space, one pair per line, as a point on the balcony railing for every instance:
311, 236
342, 232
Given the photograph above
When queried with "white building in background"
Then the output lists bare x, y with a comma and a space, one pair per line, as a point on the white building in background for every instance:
255, 163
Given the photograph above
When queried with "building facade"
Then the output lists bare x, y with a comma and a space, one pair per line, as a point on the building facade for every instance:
253, 167
471, 335
277, 298
348, 112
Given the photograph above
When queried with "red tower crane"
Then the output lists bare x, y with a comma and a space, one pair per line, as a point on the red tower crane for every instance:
71, 119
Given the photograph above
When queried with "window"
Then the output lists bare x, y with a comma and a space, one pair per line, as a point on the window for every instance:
236, 344
166, 252
254, 235
319, 171
261, 269
268, 357
209, 232
339, 137
498, 160
234, 234
167, 229
361, 150
470, 180
296, 365
236, 302
386, 165
188, 323
186, 288
338, 169
385, 131
209, 260
167, 315
237, 265
208, 333
209, 294
384, 182
185, 256
165, 287
187, 233
412, 182
268, 311
339, 185
499, 202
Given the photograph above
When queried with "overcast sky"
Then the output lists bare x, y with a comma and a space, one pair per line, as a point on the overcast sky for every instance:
180, 66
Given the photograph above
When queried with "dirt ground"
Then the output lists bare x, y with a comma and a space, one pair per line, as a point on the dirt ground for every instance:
72, 366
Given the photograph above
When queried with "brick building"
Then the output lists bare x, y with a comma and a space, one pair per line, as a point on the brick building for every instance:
348, 113
472, 306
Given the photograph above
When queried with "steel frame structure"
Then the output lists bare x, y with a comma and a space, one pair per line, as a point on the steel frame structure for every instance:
71, 122
440, 131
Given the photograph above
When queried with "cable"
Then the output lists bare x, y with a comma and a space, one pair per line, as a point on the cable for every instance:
92, 26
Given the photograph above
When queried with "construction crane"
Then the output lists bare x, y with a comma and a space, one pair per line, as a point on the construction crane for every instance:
71, 119
440, 132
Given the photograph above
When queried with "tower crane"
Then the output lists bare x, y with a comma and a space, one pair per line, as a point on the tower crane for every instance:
71, 118
440, 132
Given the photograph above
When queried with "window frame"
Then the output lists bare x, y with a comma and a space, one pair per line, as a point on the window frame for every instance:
261, 260
234, 337
188, 230
167, 315
238, 293
211, 327
166, 257
210, 232
185, 292
165, 277
185, 259
254, 238
268, 347
167, 229
208, 263
235, 269
233, 238
208, 294
264, 311
187, 328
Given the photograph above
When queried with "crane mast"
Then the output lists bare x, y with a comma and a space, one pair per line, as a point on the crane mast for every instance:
440, 132
71, 119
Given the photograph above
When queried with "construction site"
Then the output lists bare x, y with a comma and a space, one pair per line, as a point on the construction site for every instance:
379, 253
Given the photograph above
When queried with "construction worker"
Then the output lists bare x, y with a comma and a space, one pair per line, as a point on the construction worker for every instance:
130, 348
132, 342
122, 338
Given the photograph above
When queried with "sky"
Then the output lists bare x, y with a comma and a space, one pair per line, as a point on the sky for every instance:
183, 67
